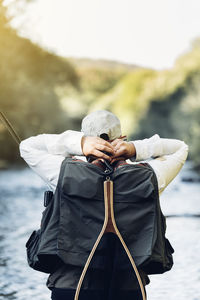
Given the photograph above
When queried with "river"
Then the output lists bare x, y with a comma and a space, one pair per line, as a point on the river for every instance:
21, 205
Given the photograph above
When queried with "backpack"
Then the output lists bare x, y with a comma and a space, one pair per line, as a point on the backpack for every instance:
77, 206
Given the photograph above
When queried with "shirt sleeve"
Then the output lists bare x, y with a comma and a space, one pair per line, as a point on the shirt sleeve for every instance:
167, 157
44, 153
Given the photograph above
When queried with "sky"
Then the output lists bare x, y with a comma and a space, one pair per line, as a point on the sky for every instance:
150, 33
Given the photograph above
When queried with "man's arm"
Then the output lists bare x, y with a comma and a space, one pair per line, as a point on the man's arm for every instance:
44, 153
169, 155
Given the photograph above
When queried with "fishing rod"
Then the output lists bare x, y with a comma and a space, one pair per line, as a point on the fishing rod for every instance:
10, 128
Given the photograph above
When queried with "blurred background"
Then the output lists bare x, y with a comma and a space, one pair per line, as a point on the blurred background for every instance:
60, 60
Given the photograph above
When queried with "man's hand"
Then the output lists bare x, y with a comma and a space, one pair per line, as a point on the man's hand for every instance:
123, 149
96, 146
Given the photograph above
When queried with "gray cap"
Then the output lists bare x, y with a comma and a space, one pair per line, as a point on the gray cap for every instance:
99, 122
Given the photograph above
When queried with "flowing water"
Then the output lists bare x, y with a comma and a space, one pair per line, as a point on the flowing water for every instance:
21, 205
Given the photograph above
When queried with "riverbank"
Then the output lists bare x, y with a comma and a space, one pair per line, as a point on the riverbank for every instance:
4, 164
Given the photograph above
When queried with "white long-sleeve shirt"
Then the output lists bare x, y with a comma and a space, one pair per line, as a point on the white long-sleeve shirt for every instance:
44, 153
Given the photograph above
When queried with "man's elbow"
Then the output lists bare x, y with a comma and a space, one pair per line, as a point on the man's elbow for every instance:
185, 150
24, 149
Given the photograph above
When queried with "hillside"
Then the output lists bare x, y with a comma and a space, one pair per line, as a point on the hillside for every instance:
97, 77
164, 102
88, 63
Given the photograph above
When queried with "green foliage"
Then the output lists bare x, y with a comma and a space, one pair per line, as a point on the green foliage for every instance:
96, 78
99, 76
176, 112
29, 77
164, 102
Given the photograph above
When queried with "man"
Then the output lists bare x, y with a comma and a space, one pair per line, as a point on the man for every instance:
45, 153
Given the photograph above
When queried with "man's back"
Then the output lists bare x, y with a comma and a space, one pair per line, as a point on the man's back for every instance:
45, 154
77, 217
